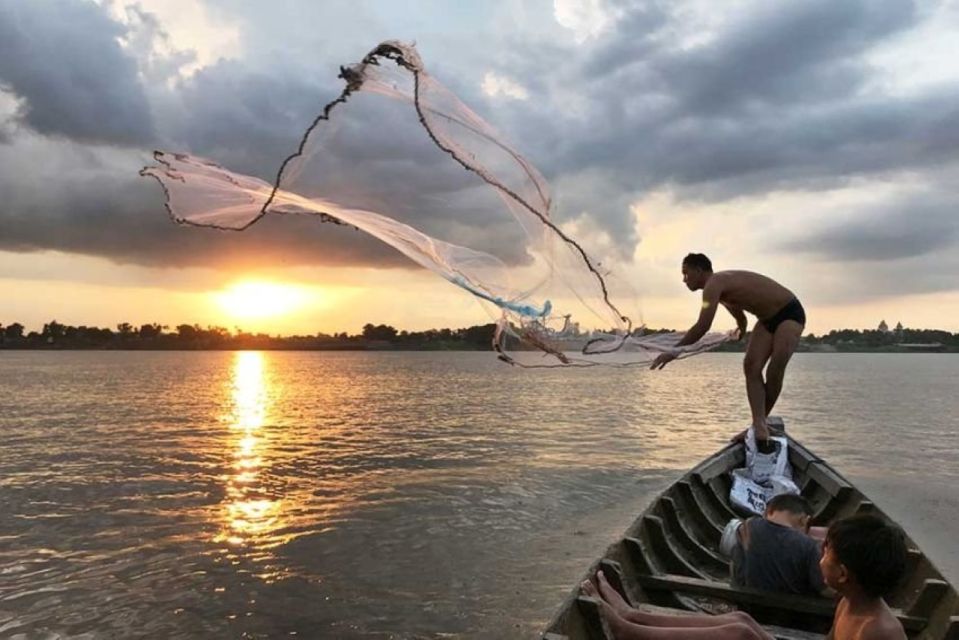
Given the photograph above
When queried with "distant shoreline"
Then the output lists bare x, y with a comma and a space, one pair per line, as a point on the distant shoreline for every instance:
55, 336
409, 349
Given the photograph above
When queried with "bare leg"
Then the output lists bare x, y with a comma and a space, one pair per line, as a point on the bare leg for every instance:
785, 342
623, 629
692, 620
757, 353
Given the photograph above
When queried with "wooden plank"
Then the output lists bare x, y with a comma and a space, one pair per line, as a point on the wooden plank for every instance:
865, 506
730, 458
828, 510
693, 515
952, 631
913, 558
721, 492
642, 558
713, 502
811, 605
589, 610
803, 604
680, 531
828, 480
782, 633
799, 456
928, 598
614, 576
667, 555
695, 509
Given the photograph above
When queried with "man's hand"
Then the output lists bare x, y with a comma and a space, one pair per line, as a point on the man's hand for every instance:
662, 360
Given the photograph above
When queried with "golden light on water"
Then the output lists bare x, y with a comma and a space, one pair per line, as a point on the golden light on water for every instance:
250, 514
252, 300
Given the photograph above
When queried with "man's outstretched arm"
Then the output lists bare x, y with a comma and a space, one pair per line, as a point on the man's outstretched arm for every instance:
706, 315
710, 301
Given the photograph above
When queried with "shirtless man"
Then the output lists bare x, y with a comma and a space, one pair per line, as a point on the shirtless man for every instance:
781, 320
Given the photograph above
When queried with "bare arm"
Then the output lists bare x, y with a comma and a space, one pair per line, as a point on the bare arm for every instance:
740, 318
710, 302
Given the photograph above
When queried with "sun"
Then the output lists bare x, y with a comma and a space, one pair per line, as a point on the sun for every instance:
255, 299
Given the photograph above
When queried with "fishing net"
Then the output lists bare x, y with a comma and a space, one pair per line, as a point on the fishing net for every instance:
387, 158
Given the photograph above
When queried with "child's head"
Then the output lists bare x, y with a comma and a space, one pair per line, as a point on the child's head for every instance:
790, 509
864, 552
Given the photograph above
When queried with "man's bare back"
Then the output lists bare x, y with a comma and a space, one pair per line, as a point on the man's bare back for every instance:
752, 292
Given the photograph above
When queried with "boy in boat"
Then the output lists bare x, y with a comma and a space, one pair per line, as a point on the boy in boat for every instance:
781, 320
863, 558
775, 552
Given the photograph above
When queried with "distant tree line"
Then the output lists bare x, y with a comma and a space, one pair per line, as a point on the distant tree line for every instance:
55, 335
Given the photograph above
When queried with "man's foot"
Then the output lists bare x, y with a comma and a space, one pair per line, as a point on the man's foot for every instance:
612, 596
610, 617
763, 443
762, 432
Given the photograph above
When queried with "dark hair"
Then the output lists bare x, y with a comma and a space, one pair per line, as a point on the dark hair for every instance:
789, 502
872, 550
699, 261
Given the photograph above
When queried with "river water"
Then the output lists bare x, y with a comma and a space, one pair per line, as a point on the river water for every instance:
395, 495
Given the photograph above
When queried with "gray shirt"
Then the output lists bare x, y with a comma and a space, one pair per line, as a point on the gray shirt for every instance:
779, 559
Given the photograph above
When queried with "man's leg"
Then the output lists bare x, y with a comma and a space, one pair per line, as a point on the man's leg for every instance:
757, 353
623, 629
784, 344
691, 620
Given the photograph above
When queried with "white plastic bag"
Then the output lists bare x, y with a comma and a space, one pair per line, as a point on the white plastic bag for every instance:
747, 495
764, 476
763, 466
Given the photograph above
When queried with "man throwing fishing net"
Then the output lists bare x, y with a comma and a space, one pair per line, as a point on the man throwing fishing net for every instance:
781, 320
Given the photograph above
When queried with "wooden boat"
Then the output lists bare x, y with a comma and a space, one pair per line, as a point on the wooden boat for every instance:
669, 562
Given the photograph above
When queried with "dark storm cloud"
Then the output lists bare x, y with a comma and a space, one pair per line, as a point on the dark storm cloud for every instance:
778, 93
63, 59
910, 227
781, 52
99, 209
780, 97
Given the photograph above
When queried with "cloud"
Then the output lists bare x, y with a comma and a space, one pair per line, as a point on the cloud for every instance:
64, 60
714, 107
911, 226
495, 85
585, 18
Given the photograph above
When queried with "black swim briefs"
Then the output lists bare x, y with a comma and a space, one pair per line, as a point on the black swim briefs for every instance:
792, 311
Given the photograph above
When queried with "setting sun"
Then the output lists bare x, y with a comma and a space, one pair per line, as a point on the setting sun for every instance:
249, 300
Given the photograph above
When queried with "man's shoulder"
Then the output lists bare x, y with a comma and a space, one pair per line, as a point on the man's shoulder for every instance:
882, 627
731, 278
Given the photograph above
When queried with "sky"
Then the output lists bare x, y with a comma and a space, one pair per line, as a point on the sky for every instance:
814, 141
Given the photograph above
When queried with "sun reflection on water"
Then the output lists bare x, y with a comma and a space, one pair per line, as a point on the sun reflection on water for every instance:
251, 515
